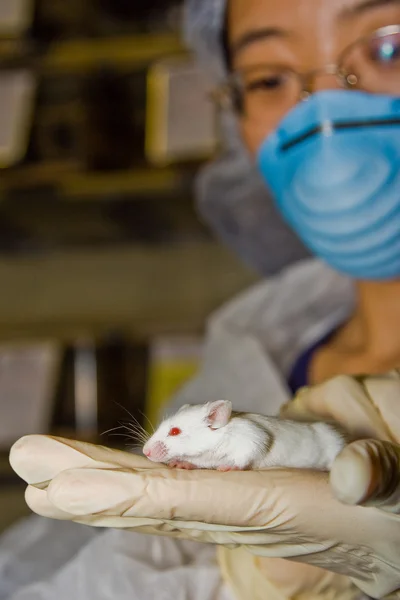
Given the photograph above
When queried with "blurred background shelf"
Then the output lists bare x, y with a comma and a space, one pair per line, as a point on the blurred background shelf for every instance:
107, 274
78, 56
135, 292
124, 52
69, 181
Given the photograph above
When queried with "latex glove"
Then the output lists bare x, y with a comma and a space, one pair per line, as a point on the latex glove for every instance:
276, 513
41, 460
368, 407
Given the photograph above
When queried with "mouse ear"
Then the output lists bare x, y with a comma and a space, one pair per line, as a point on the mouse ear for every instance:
219, 413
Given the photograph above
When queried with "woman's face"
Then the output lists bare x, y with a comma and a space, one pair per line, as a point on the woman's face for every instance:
298, 34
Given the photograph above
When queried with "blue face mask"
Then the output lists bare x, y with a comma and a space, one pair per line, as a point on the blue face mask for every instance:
333, 166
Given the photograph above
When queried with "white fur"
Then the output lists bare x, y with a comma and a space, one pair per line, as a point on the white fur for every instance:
247, 441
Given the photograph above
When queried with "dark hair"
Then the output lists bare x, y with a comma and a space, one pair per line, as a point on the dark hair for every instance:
225, 44
237, 99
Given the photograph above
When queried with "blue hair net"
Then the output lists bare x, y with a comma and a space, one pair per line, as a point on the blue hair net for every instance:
230, 194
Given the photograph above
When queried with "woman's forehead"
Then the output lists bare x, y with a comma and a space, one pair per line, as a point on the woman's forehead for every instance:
295, 13
251, 22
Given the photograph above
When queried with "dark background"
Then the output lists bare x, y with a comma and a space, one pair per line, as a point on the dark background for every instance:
96, 243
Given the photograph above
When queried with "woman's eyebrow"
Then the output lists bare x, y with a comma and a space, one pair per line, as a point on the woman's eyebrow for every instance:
255, 35
365, 5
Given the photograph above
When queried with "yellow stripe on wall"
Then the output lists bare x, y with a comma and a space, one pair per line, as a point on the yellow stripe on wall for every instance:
174, 361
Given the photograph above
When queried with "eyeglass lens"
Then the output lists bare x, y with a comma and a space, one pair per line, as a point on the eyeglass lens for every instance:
372, 65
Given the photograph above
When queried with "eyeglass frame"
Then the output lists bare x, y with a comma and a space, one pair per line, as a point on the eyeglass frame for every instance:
224, 94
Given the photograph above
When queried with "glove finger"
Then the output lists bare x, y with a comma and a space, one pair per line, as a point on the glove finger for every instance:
165, 493
384, 392
273, 511
155, 527
367, 472
343, 399
39, 503
39, 458
241, 502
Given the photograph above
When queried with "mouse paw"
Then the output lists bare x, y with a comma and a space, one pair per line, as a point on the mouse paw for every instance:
178, 464
225, 469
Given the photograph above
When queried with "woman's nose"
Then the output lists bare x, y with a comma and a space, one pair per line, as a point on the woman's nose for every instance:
325, 81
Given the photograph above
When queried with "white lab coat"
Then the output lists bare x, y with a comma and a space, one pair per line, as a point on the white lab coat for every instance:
251, 344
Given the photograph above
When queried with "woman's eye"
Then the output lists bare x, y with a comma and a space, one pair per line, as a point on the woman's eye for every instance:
269, 84
174, 431
386, 51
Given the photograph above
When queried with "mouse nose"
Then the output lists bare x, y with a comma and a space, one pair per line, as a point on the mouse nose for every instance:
147, 449
156, 451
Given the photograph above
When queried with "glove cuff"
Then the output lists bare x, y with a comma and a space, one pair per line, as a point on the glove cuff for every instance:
258, 578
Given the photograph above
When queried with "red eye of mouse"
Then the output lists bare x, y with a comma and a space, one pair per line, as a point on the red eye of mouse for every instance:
175, 431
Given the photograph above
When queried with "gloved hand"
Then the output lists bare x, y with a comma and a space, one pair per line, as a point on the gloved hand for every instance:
368, 408
367, 471
276, 513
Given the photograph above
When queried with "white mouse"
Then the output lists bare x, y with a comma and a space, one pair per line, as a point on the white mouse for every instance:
212, 436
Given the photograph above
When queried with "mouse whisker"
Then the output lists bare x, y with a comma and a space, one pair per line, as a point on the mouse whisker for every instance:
148, 420
132, 425
130, 433
139, 432
133, 419
126, 437
125, 409
139, 446
135, 423
140, 438
139, 429
111, 430
123, 426
134, 448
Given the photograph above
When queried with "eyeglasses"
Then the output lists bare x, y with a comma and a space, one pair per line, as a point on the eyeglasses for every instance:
267, 91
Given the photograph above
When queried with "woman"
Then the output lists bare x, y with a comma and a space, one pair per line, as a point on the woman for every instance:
277, 55
331, 163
